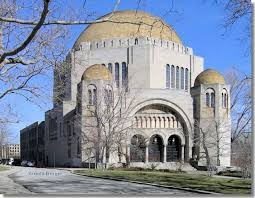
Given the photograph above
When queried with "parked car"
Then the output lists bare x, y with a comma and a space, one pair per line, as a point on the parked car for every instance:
16, 162
11, 160
24, 163
30, 163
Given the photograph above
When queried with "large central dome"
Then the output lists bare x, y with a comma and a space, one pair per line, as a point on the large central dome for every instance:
123, 24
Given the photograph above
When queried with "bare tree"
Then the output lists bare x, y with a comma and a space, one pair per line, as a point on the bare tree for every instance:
107, 128
241, 102
242, 154
213, 141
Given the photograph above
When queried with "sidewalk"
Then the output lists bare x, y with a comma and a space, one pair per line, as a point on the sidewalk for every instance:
7, 186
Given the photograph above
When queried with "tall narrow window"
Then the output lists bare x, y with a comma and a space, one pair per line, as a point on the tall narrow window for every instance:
177, 77
212, 99
110, 67
172, 76
110, 96
186, 79
117, 74
124, 74
222, 100
207, 99
182, 78
90, 97
225, 100
136, 41
167, 76
94, 96
78, 146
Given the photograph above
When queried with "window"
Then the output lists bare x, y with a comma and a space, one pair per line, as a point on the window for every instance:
167, 76
207, 99
69, 129
172, 76
136, 41
177, 78
110, 96
104, 44
94, 96
186, 79
182, 78
212, 99
224, 98
110, 67
117, 74
124, 74
90, 97
78, 146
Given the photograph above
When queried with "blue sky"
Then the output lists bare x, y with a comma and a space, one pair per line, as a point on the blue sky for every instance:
198, 24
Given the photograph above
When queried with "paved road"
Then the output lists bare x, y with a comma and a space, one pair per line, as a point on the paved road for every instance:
53, 181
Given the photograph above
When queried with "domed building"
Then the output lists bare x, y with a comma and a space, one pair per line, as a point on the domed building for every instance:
130, 92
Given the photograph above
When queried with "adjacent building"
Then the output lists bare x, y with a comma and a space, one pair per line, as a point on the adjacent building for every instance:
8, 151
32, 143
130, 91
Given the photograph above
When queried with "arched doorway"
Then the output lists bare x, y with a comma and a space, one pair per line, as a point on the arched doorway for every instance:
156, 149
137, 149
173, 149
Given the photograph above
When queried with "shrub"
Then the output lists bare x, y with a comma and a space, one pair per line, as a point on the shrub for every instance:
231, 173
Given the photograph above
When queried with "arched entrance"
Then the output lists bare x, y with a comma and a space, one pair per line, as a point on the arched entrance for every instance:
173, 149
137, 149
160, 113
156, 149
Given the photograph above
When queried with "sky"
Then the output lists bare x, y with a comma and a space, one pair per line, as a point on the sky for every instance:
199, 25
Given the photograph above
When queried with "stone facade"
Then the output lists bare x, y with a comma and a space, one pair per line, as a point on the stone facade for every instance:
157, 76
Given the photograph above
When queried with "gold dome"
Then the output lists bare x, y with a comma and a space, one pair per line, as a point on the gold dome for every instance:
209, 76
96, 72
129, 23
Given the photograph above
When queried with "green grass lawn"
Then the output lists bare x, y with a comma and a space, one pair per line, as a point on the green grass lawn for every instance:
185, 180
3, 168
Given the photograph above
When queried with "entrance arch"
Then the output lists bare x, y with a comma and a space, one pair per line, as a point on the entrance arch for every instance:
173, 149
184, 119
156, 149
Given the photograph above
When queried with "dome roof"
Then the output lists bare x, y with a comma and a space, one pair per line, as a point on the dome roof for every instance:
96, 72
129, 23
209, 76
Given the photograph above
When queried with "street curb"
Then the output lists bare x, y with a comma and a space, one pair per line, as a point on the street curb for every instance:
151, 184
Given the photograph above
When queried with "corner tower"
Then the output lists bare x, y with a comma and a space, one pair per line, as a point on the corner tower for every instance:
212, 124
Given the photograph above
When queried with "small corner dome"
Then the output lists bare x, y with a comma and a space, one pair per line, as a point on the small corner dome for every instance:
209, 76
96, 72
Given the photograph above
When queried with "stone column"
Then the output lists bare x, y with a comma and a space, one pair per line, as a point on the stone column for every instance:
165, 147
147, 153
182, 152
